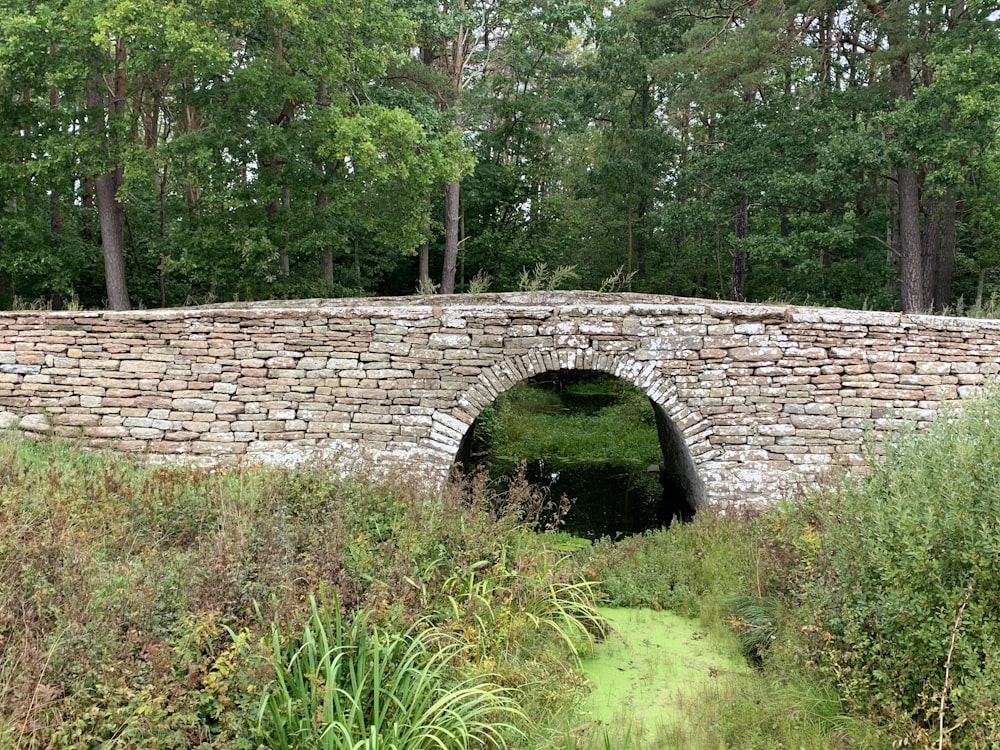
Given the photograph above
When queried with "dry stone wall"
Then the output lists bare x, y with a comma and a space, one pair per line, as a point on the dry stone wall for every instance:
767, 398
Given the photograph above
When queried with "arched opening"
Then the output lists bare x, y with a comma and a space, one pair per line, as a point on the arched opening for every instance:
594, 438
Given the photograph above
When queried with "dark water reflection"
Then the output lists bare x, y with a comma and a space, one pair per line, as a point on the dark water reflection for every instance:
609, 501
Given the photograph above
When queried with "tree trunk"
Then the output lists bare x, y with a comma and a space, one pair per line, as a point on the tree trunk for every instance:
911, 251
286, 202
930, 247
326, 259
110, 216
738, 285
273, 164
110, 212
948, 233
357, 264
151, 125
424, 269
742, 227
327, 263
938, 240
6, 290
162, 274
641, 245
192, 193
453, 190
55, 215
323, 199
452, 194
911, 261
629, 236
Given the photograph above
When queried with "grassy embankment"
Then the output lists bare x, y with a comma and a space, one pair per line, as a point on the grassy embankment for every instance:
177, 608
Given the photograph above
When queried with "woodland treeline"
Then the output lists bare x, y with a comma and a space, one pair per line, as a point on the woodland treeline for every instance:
169, 152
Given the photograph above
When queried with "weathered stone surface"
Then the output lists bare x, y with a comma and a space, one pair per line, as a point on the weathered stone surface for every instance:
767, 398
35, 423
193, 404
143, 366
20, 369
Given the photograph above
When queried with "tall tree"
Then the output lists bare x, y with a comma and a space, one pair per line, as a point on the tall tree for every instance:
638, 145
264, 139
873, 59
519, 109
491, 60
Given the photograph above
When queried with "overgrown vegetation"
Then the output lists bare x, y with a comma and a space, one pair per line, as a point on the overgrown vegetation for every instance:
901, 583
869, 609
170, 607
180, 608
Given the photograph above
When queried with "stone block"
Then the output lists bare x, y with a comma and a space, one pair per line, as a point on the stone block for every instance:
36, 423
193, 404
814, 422
756, 354
142, 366
145, 433
780, 429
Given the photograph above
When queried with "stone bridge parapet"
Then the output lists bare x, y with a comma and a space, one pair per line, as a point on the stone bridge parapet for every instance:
762, 400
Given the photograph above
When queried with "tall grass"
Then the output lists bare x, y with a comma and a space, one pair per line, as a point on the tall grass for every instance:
686, 568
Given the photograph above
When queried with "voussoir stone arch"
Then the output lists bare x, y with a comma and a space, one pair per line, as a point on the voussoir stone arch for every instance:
683, 432
450, 428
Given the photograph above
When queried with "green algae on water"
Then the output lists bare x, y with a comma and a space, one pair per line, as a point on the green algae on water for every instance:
652, 665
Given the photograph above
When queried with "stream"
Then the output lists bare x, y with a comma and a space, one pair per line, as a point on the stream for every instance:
652, 665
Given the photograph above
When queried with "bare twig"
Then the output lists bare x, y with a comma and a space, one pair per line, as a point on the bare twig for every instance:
947, 663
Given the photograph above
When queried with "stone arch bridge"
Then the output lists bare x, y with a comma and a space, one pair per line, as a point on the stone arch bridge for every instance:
752, 401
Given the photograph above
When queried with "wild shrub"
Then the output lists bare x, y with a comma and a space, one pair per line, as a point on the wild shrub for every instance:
904, 586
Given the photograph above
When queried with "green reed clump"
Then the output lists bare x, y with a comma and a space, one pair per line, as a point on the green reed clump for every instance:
343, 686
686, 568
